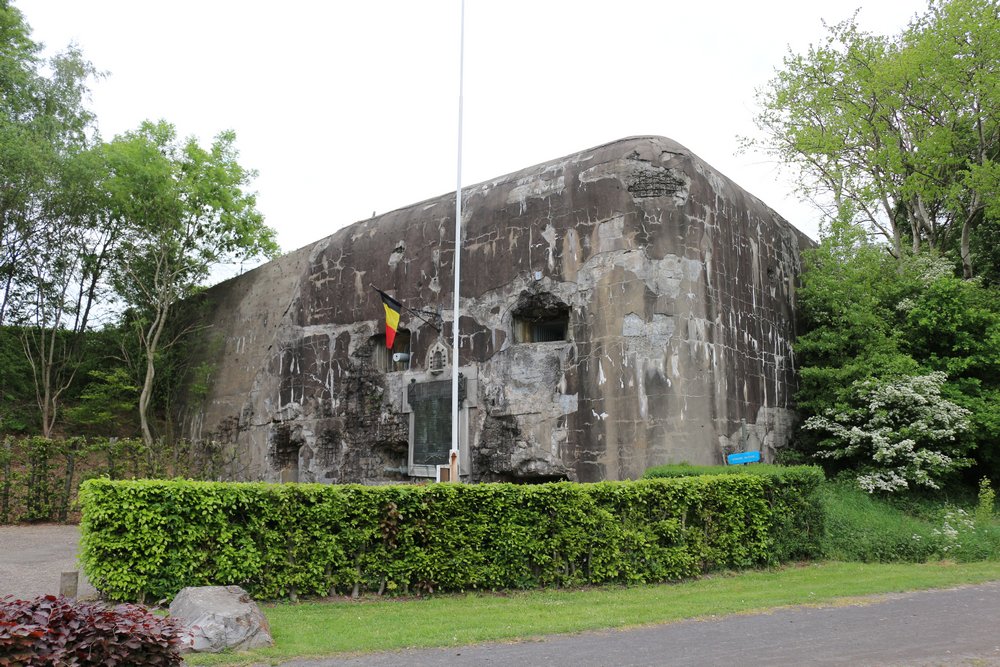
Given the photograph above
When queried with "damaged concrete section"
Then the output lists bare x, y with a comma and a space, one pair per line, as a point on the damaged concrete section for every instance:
621, 308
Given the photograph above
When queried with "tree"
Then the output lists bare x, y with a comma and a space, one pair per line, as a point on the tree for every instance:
72, 248
146, 215
186, 208
953, 326
870, 320
105, 403
20, 172
847, 314
901, 134
55, 240
953, 52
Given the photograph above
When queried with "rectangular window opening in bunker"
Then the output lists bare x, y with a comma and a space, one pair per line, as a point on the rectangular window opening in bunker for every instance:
382, 357
548, 330
284, 450
430, 424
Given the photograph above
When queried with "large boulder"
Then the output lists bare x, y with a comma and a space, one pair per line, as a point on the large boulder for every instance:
221, 617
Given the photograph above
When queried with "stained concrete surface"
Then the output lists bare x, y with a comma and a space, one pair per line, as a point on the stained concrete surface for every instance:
33, 557
623, 307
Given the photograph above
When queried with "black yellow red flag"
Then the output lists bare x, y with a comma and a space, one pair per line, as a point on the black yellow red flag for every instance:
392, 310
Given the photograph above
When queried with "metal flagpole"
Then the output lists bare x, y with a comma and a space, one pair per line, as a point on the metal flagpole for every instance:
453, 456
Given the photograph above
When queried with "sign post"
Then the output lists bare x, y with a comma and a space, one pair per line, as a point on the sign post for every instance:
743, 458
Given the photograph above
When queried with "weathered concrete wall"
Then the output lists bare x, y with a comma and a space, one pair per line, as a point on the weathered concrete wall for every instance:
679, 290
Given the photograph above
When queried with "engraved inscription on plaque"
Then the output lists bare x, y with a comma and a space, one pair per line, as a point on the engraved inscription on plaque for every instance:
431, 404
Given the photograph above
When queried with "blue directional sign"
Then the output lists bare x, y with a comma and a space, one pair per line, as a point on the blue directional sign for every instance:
743, 457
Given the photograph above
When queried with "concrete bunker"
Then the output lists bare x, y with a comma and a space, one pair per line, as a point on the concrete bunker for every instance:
622, 307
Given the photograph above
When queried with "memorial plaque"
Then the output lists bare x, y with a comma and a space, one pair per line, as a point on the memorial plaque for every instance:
431, 405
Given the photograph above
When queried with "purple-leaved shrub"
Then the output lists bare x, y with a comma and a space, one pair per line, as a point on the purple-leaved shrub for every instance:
56, 630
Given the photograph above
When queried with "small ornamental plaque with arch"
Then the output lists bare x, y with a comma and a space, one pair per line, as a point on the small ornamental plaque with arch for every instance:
437, 358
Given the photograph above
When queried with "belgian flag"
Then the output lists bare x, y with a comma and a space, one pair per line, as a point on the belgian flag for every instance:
392, 310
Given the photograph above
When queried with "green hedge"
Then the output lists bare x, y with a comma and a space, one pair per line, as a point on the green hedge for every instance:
148, 539
793, 497
760, 469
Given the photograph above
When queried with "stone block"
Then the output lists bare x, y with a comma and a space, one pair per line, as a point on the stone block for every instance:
221, 617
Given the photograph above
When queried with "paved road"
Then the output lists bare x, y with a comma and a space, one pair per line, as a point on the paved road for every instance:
32, 558
958, 626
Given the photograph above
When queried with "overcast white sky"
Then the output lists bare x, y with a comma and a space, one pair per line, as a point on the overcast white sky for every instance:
346, 108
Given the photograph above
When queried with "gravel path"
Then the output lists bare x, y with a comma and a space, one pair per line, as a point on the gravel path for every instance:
33, 557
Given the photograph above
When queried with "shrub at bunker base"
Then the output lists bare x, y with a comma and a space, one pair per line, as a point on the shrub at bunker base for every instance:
148, 539
796, 512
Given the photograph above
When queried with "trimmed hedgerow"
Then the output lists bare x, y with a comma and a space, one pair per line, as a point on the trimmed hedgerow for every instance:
55, 630
793, 498
148, 539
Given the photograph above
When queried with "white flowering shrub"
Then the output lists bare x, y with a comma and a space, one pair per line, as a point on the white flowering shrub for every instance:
930, 267
956, 524
896, 433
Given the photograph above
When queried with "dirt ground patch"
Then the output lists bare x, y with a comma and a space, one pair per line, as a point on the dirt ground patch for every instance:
32, 558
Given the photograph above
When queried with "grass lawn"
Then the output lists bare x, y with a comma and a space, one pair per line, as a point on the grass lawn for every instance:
315, 629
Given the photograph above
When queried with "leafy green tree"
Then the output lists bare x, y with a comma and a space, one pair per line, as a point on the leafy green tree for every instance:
71, 241
953, 52
18, 409
953, 326
901, 134
21, 153
56, 242
847, 313
186, 208
23, 156
823, 116
105, 403
68, 268
871, 320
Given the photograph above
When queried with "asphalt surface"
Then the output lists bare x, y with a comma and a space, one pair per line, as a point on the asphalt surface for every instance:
959, 626
33, 557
